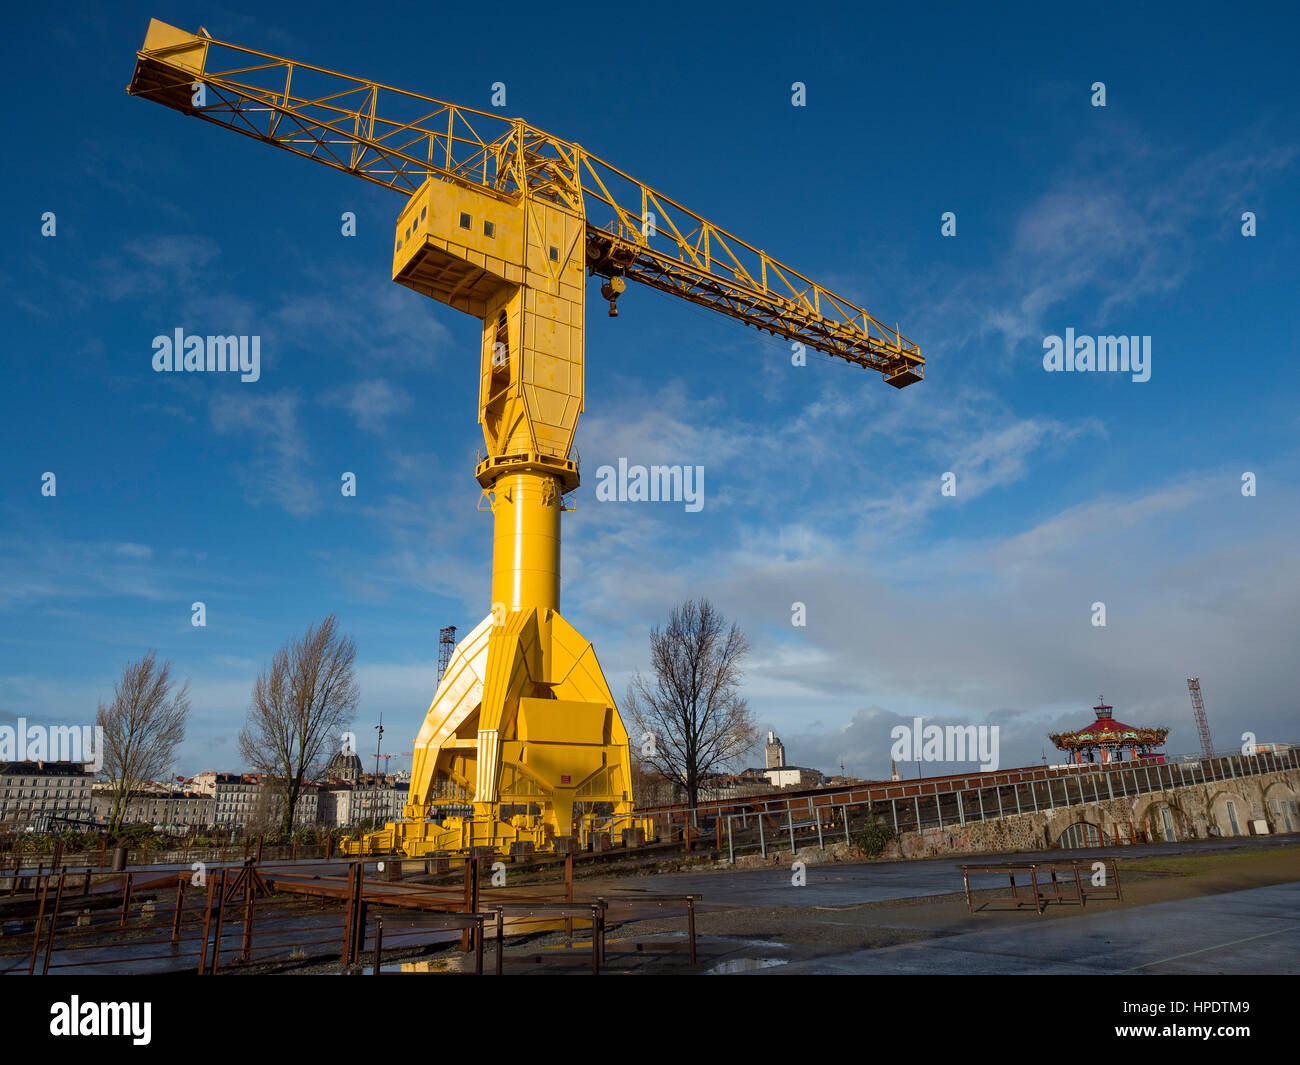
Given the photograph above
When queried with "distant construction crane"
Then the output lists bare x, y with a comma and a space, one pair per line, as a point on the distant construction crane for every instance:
1202, 722
446, 645
505, 222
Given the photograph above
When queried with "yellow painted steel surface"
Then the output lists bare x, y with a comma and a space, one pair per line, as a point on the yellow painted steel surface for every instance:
499, 224
526, 542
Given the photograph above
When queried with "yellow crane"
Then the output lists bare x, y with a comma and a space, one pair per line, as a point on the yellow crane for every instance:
505, 222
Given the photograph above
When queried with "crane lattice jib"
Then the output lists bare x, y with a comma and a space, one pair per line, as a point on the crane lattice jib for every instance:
401, 139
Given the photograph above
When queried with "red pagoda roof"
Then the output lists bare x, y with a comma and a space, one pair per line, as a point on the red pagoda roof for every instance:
1104, 722
1107, 732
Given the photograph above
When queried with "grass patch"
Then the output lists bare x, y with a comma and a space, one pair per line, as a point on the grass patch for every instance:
1189, 864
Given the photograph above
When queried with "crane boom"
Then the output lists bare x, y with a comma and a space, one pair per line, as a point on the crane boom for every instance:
401, 140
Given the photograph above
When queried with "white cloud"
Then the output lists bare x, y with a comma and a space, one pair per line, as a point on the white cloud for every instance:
278, 472
371, 403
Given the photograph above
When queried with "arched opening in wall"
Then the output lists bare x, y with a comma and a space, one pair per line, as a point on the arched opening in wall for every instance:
1082, 834
1283, 813
1230, 808
1163, 825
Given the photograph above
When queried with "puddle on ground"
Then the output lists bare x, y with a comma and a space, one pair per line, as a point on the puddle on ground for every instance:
745, 965
430, 965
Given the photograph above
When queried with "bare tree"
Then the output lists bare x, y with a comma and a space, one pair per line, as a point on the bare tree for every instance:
142, 727
300, 705
693, 709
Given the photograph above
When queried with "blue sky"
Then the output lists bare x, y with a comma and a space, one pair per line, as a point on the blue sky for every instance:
822, 484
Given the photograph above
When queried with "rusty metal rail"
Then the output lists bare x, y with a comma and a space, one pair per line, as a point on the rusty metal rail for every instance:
224, 921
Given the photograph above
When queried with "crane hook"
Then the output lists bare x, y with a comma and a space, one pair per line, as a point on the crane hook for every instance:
611, 290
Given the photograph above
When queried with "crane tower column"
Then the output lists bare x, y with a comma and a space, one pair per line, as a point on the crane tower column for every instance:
523, 727
525, 542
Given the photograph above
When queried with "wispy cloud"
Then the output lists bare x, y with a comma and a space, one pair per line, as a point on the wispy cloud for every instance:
1123, 220
371, 403
278, 472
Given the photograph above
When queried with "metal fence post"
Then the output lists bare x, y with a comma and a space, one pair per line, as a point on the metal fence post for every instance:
347, 920
54, 920
207, 922
36, 929
221, 915
568, 892
789, 821
126, 899
250, 900
180, 908
762, 840
845, 811
478, 944
690, 920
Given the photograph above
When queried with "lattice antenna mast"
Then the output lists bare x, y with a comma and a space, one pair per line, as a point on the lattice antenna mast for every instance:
1202, 722
446, 645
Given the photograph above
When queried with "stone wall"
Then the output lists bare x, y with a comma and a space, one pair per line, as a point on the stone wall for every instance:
1199, 811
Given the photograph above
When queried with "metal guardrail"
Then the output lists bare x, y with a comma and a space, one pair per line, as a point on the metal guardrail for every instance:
774, 819
929, 786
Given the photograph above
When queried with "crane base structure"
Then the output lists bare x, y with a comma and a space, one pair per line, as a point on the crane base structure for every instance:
523, 743
524, 731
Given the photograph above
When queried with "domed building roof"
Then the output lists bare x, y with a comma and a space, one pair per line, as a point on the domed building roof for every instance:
346, 766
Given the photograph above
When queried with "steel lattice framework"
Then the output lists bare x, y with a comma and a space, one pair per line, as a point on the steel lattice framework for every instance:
1202, 722
400, 139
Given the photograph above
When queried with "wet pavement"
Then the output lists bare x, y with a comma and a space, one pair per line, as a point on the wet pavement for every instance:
1241, 932
848, 884
1248, 931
